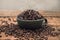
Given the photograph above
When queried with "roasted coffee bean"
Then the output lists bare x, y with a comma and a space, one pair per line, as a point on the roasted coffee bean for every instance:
58, 29
7, 39
53, 29
0, 36
9, 19
16, 39
55, 33
6, 35
21, 18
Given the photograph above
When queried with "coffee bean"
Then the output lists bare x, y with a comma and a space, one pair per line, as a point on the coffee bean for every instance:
9, 19
7, 39
55, 33
58, 29
0, 36
16, 39
6, 35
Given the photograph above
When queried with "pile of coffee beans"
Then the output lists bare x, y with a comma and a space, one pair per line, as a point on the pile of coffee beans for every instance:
30, 15
40, 34
15, 31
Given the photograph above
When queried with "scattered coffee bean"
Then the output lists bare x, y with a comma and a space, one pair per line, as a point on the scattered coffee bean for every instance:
6, 35
58, 29
9, 19
0, 36
7, 39
16, 39
55, 33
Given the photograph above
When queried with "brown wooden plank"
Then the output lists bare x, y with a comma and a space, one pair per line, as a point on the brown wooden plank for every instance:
16, 12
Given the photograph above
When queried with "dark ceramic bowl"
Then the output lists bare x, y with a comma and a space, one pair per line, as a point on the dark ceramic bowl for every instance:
31, 24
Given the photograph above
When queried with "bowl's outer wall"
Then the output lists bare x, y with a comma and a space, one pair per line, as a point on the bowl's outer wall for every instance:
30, 24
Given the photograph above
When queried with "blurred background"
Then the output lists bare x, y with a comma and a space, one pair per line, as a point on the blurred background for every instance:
50, 9
14, 7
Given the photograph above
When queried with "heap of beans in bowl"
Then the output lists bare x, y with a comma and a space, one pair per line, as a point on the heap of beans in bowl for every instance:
30, 15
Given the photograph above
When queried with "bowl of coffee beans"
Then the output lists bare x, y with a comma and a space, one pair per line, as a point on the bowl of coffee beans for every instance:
31, 19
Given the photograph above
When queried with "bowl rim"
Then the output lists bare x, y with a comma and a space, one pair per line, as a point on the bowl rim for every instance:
31, 20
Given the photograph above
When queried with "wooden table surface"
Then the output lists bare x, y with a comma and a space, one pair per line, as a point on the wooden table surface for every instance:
55, 21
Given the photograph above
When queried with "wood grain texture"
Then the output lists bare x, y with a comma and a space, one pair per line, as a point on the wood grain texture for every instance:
16, 12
